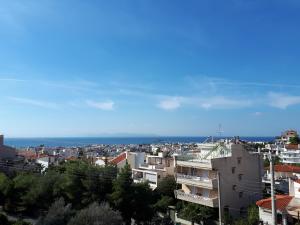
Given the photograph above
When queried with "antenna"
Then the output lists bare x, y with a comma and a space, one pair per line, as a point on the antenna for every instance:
220, 131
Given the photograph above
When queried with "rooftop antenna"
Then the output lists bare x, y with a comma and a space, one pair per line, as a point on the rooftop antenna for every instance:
220, 130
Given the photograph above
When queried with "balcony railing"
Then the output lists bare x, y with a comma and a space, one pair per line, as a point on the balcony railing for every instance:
206, 182
211, 202
152, 166
190, 161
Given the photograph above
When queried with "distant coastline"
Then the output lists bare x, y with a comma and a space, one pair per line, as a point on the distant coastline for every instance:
84, 141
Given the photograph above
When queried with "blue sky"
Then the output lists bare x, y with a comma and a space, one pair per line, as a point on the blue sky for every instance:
93, 68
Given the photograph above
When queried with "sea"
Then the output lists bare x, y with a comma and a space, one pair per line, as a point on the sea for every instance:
84, 141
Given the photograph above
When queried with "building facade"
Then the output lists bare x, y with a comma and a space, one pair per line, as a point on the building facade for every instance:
155, 168
221, 175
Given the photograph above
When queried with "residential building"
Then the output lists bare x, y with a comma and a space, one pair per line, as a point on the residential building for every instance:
134, 159
220, 174
287, 206
155, 168
286, 135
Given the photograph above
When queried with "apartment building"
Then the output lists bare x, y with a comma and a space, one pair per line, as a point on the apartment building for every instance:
220, 174
155, 168
134, 159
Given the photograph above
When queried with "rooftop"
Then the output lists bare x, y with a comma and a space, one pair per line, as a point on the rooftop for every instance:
282, 202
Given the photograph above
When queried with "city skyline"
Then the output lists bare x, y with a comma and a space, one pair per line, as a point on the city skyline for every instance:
77, 68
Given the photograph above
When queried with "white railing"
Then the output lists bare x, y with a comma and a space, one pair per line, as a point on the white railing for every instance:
212, 202
196, 178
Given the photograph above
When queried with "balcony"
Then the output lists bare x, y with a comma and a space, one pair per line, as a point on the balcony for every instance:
191, 161
210, 202
204, 182
148, 166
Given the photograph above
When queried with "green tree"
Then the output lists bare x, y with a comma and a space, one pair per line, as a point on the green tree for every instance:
97, 215
196, 213
142, 203
167, 186
122, 194
253, 215
163, 203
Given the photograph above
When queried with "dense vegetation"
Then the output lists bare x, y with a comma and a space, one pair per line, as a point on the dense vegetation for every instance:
72, 191
78, 193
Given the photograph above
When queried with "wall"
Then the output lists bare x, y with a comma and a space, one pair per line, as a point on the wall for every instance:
265, 216
251, 168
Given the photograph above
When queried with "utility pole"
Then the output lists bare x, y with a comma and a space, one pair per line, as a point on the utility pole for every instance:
219, 199
273, 196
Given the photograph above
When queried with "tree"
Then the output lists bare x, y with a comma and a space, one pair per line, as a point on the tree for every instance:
142, 201
167, 186
253, 215
97, 215
122, 194
163, 203
196, 213
58, 214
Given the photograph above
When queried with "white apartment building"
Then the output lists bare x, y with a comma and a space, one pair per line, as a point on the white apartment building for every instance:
154, 169
222, 175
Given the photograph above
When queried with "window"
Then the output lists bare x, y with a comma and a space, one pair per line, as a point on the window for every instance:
233, 187
239, 160
240, 177
233, 170
241, 194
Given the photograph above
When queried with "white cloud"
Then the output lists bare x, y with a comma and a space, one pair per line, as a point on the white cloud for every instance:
107, 105
170, 103
222, 102
257, 113
282, 101
33, 102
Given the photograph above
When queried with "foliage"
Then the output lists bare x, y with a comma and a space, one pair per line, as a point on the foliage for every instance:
241, 222
142, 202
167, 186
122, 194
277, 161
97, 215
196, 213
295, 140
163, 203
253, 215
58, 214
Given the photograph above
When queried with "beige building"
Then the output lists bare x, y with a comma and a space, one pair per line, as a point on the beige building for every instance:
220, 174
154, 169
